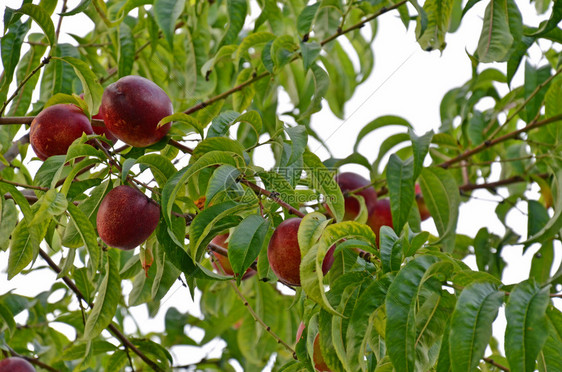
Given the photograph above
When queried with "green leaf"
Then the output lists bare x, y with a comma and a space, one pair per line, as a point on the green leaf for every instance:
551, 349
10, 47
126, 50
533, 78
251, 41
387, 145
210, 222
497, 37
391, 249
527, 327
420, 146
380, 122
438, 18
242, 99
48, 170
399, 176
252, 118
52, 203
160, 166
441, 195
401, 312
93, 91
282, 50
175, 182
299, 139
306, 18
309, 51
166, 13
237, 10
30, 60
555, 223
224, 52
8, 318
87, 233
323, 181
223, 178
444, 358
80, 8
361, 322
217, 144
553, 95
553, 21
471, 324
8, 221
109, 293
310, 230
24, 247
42, 18
321, 85
246, 242
78, 150
312, 259
184, 118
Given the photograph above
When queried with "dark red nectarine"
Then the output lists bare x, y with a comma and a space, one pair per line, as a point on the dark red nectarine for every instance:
132, 108
351, 181
56, 127
223, 261
381, 215
424, 212
284, 254
126, 217
318, 358
15, 364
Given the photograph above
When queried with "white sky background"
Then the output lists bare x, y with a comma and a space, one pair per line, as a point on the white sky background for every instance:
407, 82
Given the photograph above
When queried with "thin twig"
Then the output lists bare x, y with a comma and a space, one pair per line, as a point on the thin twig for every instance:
363, 22
44, 61
15, 120
260, 321
24, 185
524, 104
113, 329
210, 101
490, 143
180, 147
496, 364
59, 25
34, 361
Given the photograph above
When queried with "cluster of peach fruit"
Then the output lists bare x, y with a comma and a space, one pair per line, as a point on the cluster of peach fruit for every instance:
131, 109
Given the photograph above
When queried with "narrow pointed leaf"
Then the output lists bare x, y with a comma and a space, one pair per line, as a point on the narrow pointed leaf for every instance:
527, 328
441, 195
471, 324
105, 304
400, 179
400, 309
246, 242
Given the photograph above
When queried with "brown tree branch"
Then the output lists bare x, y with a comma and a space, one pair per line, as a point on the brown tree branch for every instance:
34, 361
358, 25
24, 185
44, 62
490, 143
496, 364
112, 328
260, 320
15, 120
